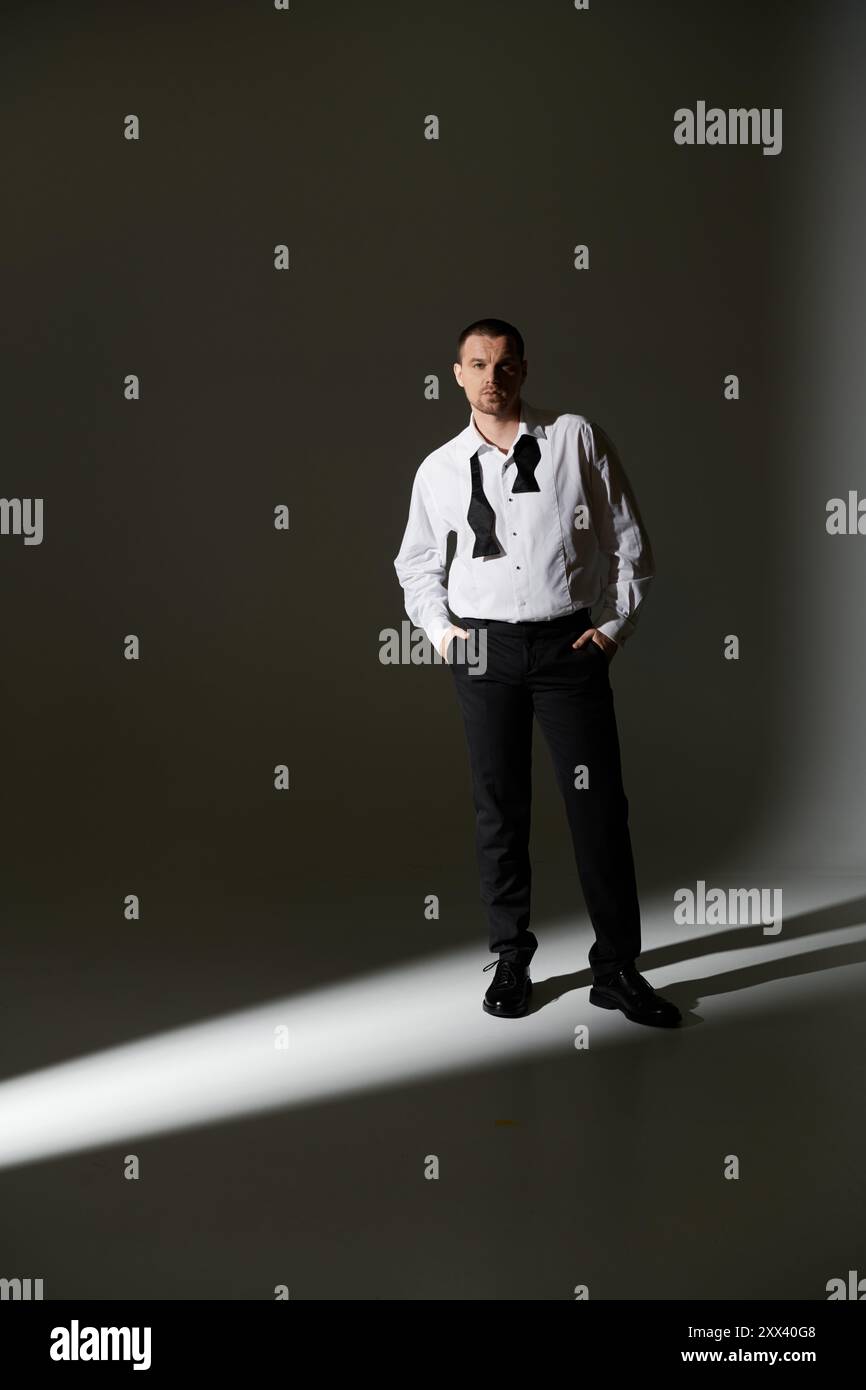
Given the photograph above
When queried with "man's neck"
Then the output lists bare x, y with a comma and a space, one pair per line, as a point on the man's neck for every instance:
500, 432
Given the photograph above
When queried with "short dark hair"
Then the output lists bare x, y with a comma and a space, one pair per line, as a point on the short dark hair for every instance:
491, 328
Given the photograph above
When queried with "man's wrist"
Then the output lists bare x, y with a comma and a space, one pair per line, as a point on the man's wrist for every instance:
613, 629
436, 631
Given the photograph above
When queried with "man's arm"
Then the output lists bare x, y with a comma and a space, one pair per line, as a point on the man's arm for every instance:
622, 537
420, 564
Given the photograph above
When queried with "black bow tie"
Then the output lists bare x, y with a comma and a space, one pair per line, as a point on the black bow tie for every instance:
526, 456
481, 516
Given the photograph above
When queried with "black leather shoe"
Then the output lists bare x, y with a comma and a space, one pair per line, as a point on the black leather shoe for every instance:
508, 996
627, 989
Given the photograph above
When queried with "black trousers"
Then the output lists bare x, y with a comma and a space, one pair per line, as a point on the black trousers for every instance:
532, 671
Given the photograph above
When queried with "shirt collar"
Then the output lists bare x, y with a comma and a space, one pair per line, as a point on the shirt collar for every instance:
471, 440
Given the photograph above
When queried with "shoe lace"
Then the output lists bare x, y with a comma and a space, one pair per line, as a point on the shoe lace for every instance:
507, 971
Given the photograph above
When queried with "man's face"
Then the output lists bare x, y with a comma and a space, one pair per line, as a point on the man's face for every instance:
491, 374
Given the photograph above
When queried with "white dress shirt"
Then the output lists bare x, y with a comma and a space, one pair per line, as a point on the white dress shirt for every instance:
577, 541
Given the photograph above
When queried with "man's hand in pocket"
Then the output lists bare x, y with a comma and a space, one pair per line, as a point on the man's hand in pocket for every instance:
447, 637
592, 634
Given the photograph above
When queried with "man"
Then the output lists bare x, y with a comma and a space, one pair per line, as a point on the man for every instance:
546, 527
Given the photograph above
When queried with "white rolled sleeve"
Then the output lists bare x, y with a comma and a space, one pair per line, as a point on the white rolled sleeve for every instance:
421, 563
622, 537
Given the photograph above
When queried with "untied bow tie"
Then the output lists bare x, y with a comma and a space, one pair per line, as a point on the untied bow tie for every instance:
481, 516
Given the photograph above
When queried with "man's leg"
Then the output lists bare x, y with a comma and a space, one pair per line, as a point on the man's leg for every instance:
573, 702
497, 717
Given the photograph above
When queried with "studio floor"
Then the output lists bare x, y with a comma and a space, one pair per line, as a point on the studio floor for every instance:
294, 1142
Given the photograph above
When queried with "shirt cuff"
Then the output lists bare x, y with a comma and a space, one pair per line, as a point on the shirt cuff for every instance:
436, 631
617, 629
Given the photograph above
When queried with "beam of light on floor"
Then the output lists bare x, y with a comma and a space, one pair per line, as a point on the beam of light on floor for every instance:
401, 1024
394, 1026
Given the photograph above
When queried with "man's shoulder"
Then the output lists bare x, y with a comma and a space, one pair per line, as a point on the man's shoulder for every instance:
573, 425
446, 458
453, 456
568, 419
560, 422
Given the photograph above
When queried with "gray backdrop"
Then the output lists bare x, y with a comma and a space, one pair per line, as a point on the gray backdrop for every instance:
306, 387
